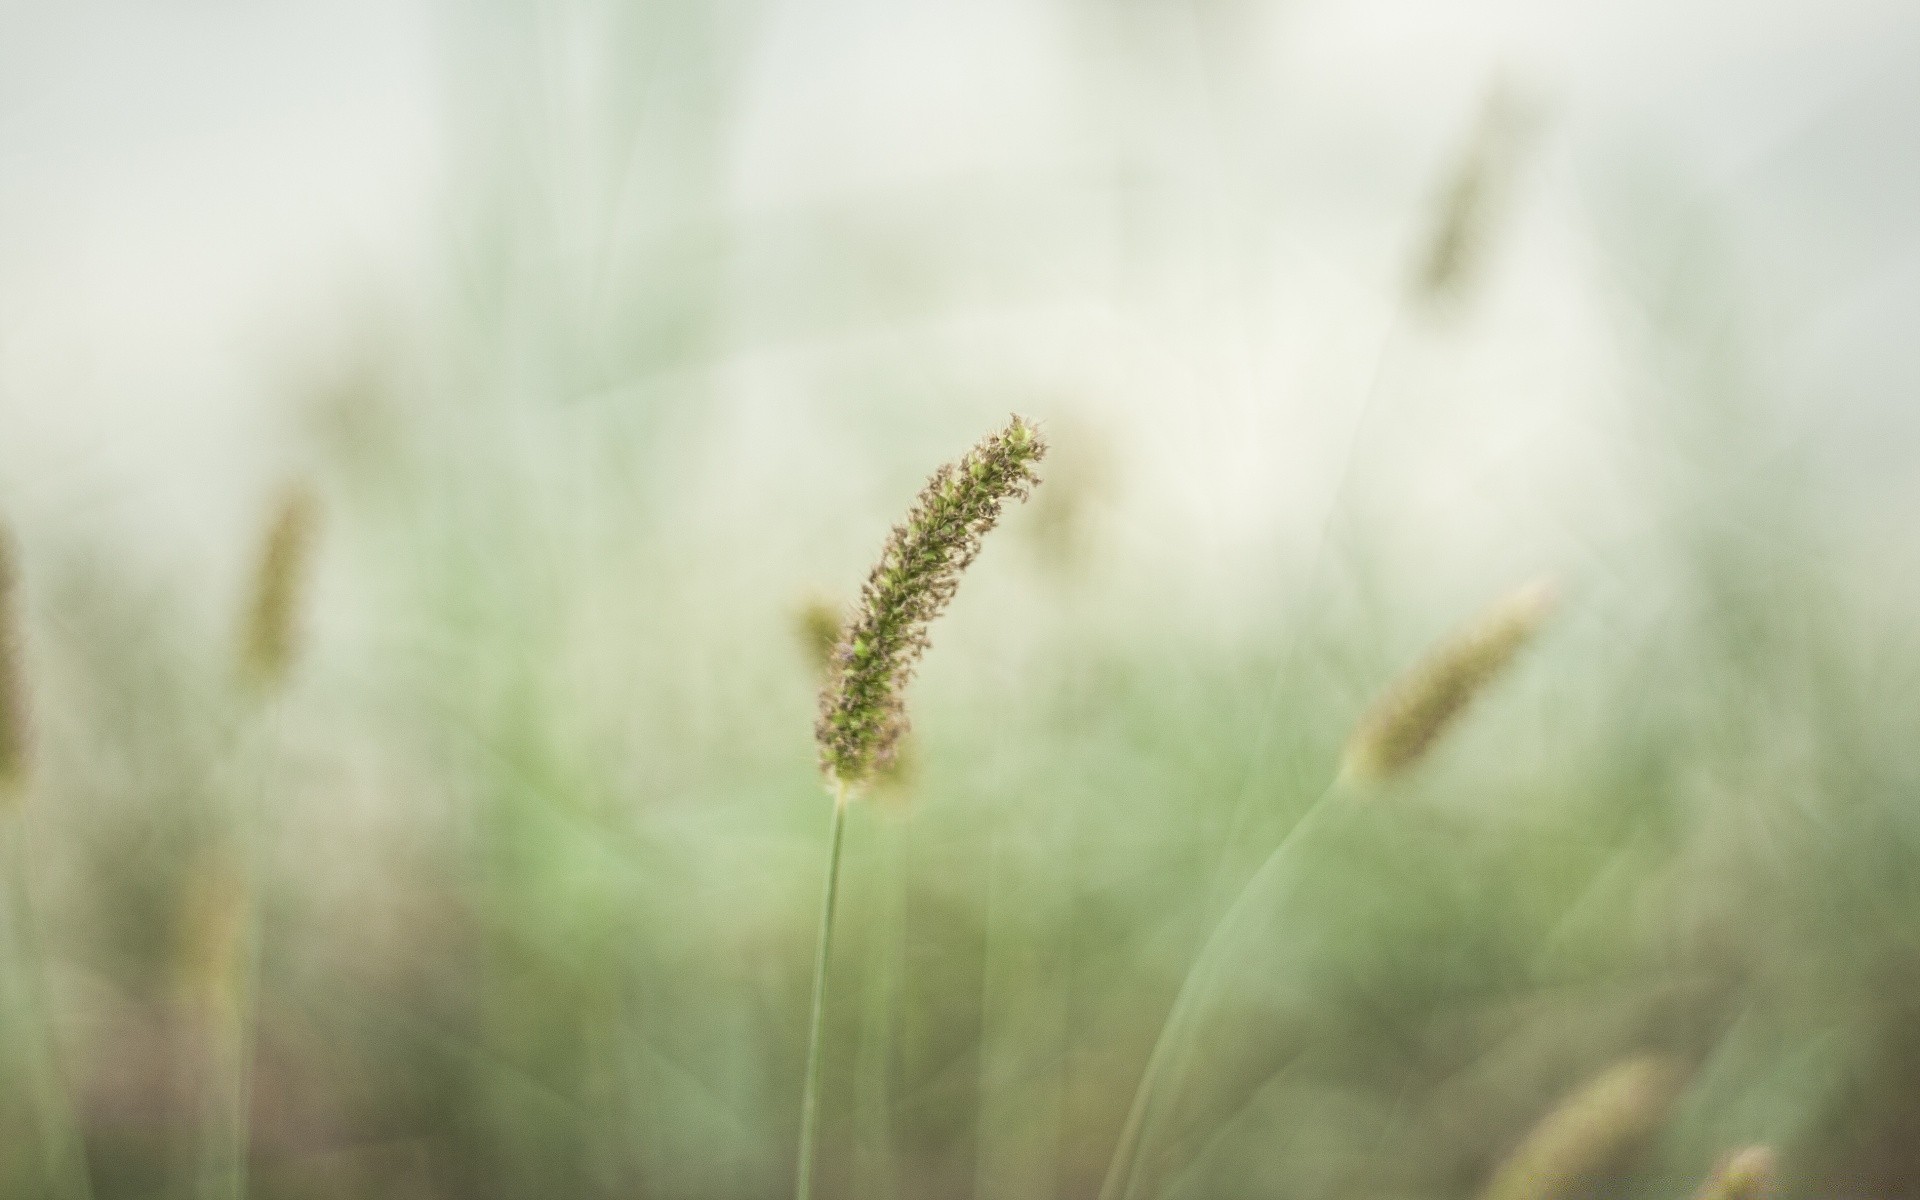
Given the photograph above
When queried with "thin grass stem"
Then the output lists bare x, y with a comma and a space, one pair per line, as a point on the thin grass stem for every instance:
1173, 1049
816, 1031
879, 1171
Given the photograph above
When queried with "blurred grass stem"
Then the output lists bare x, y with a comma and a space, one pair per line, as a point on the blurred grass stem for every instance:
232, 1010
1173, 1049
61, 1142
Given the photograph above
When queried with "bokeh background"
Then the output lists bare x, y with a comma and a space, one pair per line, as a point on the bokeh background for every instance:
604, 339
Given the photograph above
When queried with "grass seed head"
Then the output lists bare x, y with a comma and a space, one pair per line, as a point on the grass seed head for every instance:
862, 706
1469, 205
1746, 1174
1403, 725
14, 739
271, 633
1589, 1132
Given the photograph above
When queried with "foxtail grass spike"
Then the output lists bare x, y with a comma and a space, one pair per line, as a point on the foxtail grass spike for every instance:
1403, 725
1469, 204
862, 707
1743, 1175
1589, 1132
14, 749
270, 639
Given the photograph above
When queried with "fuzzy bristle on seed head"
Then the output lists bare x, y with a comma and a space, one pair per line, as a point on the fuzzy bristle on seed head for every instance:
817, 624
1589, 1132
1403, 725
14, 750
862, 707
269, 639
1746, 1174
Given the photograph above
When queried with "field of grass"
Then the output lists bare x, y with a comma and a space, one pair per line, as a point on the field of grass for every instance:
462, 836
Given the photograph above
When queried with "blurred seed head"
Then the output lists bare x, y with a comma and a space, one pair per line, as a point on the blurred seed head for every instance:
862, 706
1472, 199
817, 624
1746, 1174
15, 750
1590, 1131
269, 639
1409, 718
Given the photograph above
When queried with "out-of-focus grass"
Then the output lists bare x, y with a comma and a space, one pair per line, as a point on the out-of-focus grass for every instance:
534, 835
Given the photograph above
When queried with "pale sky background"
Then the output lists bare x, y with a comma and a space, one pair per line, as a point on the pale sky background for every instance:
195, 197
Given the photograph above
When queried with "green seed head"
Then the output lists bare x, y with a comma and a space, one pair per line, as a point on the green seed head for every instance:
862, 710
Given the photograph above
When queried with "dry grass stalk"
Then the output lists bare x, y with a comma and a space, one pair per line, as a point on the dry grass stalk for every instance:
270, 636
1403, 725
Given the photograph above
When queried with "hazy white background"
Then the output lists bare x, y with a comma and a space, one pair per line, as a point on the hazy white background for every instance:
1193, 214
